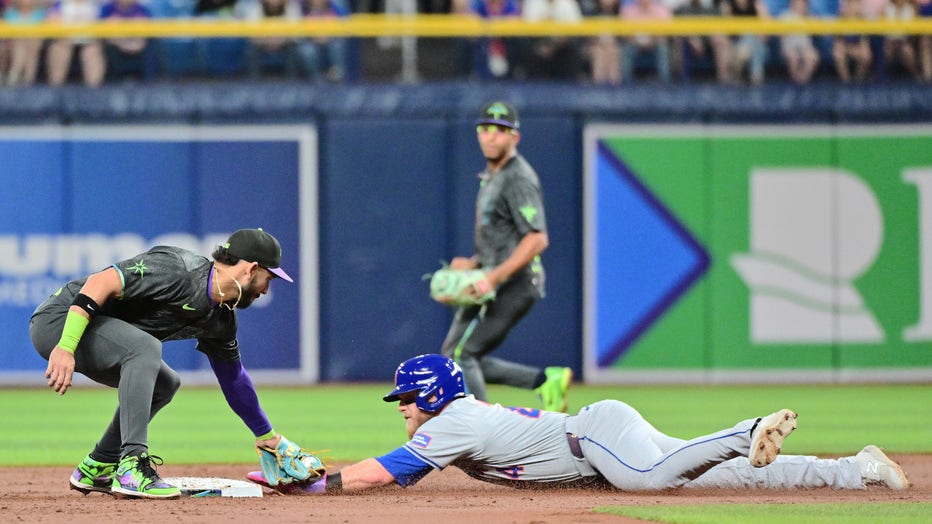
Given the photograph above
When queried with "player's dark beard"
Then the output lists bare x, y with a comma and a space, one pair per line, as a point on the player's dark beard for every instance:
495, 160
249, 294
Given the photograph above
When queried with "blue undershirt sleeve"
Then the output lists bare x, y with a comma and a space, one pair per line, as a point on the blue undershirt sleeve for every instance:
404, 466
241, 394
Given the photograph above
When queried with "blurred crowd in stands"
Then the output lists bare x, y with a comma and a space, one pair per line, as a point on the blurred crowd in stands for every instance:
605, 59
94, 61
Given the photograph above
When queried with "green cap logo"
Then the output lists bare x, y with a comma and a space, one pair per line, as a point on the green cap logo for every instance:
496, 110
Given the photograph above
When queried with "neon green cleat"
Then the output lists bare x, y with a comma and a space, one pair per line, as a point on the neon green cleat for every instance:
553, 391
135, 477
91, 475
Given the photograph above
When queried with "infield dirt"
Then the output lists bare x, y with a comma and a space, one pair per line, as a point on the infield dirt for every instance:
41, 495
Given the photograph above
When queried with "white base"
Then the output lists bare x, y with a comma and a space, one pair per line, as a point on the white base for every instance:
214, 487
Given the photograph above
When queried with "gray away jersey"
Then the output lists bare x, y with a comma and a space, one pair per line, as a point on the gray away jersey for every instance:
509, 205
165, 293
495, 443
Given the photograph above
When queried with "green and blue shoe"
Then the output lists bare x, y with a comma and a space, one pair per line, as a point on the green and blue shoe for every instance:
136, 477
91, 475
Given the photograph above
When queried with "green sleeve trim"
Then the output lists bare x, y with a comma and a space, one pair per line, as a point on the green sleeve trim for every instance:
75, 323
122, 280
266, 436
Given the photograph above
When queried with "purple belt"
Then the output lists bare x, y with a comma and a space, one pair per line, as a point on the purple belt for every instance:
575, 449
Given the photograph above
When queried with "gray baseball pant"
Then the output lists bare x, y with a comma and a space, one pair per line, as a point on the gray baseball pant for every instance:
116, 354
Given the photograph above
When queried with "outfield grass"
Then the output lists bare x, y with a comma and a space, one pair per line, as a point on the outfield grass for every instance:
351, 422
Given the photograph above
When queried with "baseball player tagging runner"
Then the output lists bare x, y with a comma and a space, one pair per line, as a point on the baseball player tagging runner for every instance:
110, 327
606, 443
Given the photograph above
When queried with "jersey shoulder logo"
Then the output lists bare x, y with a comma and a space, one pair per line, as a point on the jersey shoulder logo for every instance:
421, 440
186, 307
139, 268
529, 213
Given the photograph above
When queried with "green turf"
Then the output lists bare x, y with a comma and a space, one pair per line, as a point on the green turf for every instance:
351, 421
880, 512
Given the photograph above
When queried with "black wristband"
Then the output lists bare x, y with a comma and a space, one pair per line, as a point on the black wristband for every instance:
334, 483
87, 304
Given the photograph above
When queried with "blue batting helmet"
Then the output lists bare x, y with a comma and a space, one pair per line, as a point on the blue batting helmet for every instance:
438, 379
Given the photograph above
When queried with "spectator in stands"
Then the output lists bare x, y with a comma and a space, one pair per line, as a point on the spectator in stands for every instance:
698, 47
901, 48
279, 50
604, 51
799, 53
553, 57
749, 50
324, 57
24, 52
90, 51
873, 9
4, 48
852, 50
494, 57
215, 8
656, 45
433, 7
925, 44
170, 8
122, 52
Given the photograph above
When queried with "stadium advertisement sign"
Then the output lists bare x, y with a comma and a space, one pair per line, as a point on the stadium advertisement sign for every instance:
77, 199
724, 253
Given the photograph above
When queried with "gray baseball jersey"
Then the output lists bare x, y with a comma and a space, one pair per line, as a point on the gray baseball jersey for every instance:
516, 445
489, 442
508, 207
166, 294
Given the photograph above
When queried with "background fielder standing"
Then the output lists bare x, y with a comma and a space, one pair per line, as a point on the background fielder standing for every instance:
510, 235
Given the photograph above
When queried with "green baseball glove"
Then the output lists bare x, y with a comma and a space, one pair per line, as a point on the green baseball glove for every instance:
458, 287
289, 463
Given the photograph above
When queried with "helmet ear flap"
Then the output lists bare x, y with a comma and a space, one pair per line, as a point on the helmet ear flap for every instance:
429, 400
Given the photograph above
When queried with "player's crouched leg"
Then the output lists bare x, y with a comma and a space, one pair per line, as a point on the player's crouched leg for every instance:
166, 385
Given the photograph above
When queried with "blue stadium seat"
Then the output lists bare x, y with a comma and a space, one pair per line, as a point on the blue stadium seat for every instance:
171, 8
824, 8
225, 56
179, 57
143, 66
777, 7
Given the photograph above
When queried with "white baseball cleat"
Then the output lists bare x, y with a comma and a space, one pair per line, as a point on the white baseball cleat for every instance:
767, 436
877, 468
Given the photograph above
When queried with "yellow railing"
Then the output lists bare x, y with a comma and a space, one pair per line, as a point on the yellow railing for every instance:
456, 26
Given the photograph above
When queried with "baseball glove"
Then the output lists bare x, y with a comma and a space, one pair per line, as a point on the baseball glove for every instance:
289, 463
459, 287
308, 487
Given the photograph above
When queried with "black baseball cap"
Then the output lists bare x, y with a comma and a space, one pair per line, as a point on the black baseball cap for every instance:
255, 245
499, 113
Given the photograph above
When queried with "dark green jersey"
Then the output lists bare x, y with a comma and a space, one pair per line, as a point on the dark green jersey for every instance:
509, 206
166, 294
